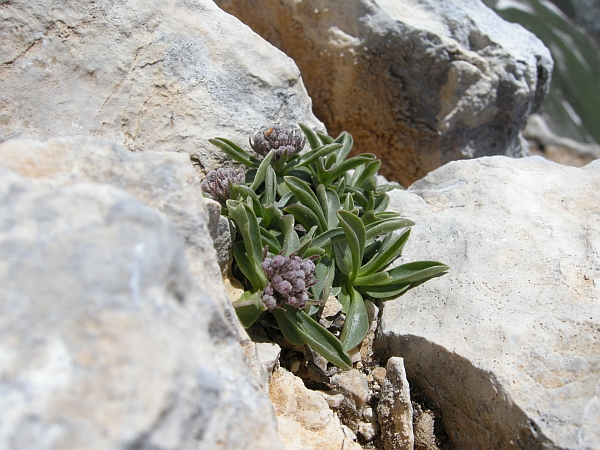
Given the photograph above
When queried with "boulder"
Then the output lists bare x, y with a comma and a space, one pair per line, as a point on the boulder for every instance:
507, 343
106, 338
417, 82
160, 75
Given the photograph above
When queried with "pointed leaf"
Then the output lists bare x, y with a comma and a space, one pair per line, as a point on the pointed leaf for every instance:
347, 142
261, 173
390, 250
291, 242
319, 339
311, 136
388, 292
329, 237
330, 203
386, 226
249, 307
307, 197
248, 269
354, 230
417, 271
235, 152
324, 138
315, 154
303, 215
356, 325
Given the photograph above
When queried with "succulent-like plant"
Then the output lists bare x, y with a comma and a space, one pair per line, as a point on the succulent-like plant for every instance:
323, 217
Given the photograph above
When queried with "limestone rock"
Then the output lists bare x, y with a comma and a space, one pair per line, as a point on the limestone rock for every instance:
508, 342
161, 75
417, 82
106, 339
162, 180
304, 418
394, 408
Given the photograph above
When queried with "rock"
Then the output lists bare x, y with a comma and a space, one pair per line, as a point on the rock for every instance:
218, 227
394, 408
423, 428
353, 385
304, 418
417, 82
163, 76
507, 343
107, 340
165, 181
555, 148
268, 353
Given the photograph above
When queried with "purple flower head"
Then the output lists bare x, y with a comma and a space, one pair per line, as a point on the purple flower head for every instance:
289, 279
283, 140
217, 183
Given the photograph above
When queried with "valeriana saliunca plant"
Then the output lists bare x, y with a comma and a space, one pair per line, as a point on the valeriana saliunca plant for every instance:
310, 224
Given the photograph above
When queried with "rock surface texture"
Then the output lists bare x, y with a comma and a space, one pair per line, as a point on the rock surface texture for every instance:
508, 342
417, 82
106, 339
159, 75
304, 418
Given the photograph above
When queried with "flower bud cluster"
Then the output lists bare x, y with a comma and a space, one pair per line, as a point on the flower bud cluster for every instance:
217, 183
283, 141
289, 279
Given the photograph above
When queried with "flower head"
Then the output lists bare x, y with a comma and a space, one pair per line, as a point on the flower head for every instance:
289, 279
284, 141
217, 183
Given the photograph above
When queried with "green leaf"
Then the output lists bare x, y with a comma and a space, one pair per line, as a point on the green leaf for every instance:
267, 238
291, 242
381, 203
313, 251
249, 307
289, 330
347, 142
330, 203
246, 223
374, 279
261, 173
307, 197
340, 169
417, 271
329, 237
311, 136
384, 292
390, 250
306, 241
345, 300
319, 339
354, 230
235, 152
303, 215
356, 325
386, 226
324, 138
248, 269
368, 171
314, 155
324, 273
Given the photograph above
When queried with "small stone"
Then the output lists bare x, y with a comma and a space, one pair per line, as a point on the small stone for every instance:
378, 374
359, 365
294, 365
333, 400
332, 307
354, 384
367, 430
394, 408
268, 354
369, 377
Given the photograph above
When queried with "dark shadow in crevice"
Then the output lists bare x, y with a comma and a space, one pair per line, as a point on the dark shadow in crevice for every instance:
477, 412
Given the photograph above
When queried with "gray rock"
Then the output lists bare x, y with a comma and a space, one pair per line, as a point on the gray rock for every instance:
159, 75
508, 342
162, 180
394, 408
417, 82
106, 339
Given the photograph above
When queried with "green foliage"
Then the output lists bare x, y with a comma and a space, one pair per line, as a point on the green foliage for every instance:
320, 205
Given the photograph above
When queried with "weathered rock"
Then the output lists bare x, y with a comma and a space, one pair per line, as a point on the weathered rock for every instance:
163, 76
162, 180
508, 342
556, 148
304, 418
106, 339
219, 230
394, 408
417, 82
